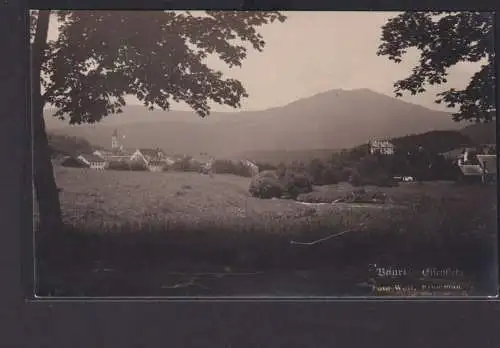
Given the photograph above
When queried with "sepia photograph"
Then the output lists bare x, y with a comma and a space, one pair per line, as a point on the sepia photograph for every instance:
263, 154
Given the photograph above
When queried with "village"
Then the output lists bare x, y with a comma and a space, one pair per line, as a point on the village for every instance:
475, 163
149, 159
478, 162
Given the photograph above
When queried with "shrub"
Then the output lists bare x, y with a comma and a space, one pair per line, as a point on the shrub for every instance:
281, 170
265, 166
443, 169
194, 166
231, 167
186, 164
331, 175
316, 170
355, 178
180, 165
266, 185
345, 174
269, 174
296, 182
384, 181
328, 172
371, 171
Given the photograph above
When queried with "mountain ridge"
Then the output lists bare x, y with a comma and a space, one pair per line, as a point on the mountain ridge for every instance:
329, 120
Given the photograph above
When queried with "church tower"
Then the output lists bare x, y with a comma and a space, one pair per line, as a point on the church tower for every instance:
115, 145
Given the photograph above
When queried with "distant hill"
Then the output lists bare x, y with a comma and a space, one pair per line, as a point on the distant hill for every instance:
481, 133
62, 145
434, 141
278, 156
331, 120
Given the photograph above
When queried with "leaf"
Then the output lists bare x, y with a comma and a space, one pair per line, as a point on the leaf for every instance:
99, 57
444, 40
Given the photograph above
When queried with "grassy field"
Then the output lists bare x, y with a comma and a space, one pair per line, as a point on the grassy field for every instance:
142, 233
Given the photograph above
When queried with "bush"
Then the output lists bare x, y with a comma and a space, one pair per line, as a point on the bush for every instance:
186, 164
281, 170
296, 182
266, 185
443, 169
231, 167
328, 172
194, 166
385, 181
331, 176
377, 177
370, 170
180, 165
265, 166
269, 174
355, 178
345, 174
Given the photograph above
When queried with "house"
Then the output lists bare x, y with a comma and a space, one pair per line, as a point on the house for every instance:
207, 166
489, 163
122, 155
147, 155
72, 161
458, 153
93, 161
382, 146
117, 153
489, 149
169, 161
156, 166
252, 167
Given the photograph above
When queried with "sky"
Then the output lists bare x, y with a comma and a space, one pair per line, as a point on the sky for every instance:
313, 52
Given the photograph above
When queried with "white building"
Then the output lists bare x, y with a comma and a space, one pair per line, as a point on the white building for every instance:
93, 161
147, 155
253, 168
156, 166
382, 146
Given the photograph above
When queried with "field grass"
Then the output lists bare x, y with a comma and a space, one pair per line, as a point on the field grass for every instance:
142, 233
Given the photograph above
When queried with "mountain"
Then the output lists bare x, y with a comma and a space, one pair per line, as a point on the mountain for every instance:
331, 120
481, 133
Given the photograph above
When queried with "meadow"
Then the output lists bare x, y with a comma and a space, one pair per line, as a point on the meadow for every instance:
178, 234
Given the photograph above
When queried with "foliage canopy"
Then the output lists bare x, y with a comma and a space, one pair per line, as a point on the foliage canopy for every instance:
99, 57
444, 40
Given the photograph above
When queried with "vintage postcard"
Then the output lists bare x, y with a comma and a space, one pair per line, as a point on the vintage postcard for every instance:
217, 154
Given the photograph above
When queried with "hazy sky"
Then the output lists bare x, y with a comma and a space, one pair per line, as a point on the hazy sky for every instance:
313, 52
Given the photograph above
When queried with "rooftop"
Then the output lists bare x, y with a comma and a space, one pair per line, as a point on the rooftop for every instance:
151, 152
92, 158
156, 163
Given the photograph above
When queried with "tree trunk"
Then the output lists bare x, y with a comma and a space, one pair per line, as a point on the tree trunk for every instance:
45, 186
